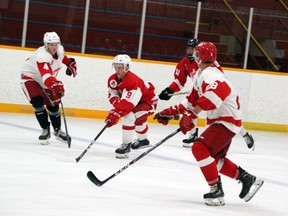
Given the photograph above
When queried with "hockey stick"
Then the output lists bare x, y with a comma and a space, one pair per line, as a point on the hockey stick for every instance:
93, 141
179, 93
69, 139
99, 183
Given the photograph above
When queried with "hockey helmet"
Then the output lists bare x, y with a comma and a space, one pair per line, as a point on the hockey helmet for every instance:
193, 42
122, 59
51, 37
206, 52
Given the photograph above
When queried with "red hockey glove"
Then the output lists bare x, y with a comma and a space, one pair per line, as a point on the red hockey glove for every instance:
186, 122
168, 114
113, 117
57, 89
71, 68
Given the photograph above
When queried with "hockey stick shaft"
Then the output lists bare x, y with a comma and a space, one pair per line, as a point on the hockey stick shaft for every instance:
93, 141
99, 183
65, 123
179, 93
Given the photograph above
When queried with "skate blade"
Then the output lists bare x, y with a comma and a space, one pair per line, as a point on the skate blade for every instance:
141, 147
215, 201
256, 186
60, 139
187, 145
44, 142
122, 156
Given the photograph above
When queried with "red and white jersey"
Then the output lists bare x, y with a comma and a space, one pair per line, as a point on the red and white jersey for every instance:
129, 92
215, 94
185, 68
42, 65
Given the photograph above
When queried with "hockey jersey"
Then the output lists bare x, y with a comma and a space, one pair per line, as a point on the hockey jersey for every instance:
215, 94
43, 67
125, 94
185, 68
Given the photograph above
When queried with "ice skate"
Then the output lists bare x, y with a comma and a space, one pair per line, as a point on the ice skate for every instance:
45, 136
123, 151
249, 141
187, 143
138, 144
215, 196
60, 135
250, 185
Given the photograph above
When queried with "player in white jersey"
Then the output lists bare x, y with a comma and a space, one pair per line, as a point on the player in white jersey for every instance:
187, 67
42, 88
213, 93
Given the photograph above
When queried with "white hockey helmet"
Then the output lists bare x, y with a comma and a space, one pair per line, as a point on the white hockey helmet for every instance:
51, 37
122, 59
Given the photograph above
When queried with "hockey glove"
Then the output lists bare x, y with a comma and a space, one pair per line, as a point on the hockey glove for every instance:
57, 89
168, 114
71, 68
166, 94
186, 122
113, 117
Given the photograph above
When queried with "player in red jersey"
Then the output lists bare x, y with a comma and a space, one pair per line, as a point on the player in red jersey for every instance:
187, 67
215, 95
42, 88
133, 101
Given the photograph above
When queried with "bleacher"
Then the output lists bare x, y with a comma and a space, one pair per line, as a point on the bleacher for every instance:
114, 27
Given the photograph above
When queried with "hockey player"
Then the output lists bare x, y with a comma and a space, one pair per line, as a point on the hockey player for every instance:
42, 88
133, 100
213, 93
187, 67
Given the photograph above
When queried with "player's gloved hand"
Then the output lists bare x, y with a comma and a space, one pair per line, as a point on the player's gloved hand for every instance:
165, 94
113, 117
71, 68
168, 114
186, 122
57, 89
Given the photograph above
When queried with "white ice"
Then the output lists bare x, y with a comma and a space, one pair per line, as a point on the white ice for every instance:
39, 180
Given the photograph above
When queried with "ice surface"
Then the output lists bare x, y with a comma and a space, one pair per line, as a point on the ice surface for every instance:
46, 180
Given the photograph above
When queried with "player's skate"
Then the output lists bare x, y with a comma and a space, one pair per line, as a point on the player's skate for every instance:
249, 141
137, 144
123, 151
215, 196
60, 135
188, 142
250, 185
45, 136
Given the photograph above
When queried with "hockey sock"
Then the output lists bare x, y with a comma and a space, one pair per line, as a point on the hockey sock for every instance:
206, 163
42, 117
40, 111
229, 168
141, 131
55, 116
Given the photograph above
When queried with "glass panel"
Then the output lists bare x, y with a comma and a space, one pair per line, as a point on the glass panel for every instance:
168, 26
62, 16
11, 22
114, 27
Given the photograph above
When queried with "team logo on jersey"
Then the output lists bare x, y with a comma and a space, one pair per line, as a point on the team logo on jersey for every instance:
113, 83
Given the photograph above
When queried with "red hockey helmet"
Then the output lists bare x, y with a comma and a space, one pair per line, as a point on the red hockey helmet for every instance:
206, 52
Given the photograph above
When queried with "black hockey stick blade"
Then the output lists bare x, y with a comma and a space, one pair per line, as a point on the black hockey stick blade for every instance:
94, 179
99, 183
69, 140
